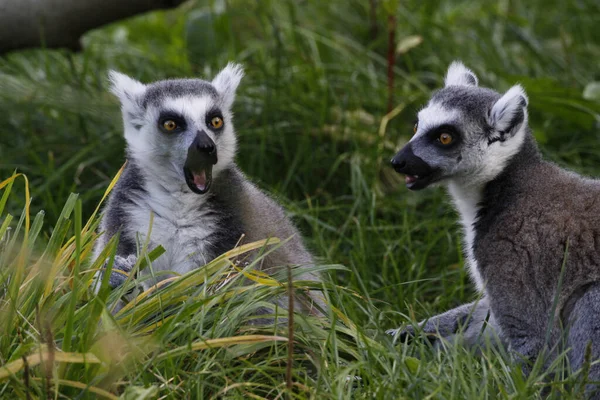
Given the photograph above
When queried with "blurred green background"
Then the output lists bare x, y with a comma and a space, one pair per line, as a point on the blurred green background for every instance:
310, 113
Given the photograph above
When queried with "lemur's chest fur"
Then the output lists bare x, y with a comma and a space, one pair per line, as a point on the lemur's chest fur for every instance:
183, 224
192, 228
466, 202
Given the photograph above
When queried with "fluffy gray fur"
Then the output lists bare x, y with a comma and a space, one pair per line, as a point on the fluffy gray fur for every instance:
193, 228
523, 219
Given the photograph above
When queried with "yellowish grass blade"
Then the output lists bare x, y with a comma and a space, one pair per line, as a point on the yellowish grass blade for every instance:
249, 247
34, 359
258, 277
79, 385
343, 318
220, 342
154, 326
27, 196
8, 180
53, 273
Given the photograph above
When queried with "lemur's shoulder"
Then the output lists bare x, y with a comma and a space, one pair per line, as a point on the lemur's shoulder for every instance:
115, 219
259, 213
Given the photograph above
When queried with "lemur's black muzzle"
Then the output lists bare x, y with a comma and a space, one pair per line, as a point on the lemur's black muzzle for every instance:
201, 156
418, 173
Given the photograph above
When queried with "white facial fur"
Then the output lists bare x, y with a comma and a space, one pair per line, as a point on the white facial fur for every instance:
161, 156
432, 116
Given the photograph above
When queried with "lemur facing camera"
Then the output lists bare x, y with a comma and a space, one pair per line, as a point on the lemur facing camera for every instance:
531, 229
180, 167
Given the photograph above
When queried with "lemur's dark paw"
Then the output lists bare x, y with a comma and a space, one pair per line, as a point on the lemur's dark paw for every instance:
402, 335
122, 266
409, 334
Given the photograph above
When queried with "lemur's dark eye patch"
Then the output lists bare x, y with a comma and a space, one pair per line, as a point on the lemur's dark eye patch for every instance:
445, 135
171, 122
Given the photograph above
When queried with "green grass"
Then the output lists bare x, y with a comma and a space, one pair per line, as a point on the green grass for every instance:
309, 117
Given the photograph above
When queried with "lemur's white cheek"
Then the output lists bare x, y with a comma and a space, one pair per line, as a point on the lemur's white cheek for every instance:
187, 140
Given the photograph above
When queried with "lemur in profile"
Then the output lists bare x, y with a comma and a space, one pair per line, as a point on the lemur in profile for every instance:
531, 229
180, 167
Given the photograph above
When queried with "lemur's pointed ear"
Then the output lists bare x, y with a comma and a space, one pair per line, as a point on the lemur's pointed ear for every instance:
128, 90
459, 75
510, 111
227, 81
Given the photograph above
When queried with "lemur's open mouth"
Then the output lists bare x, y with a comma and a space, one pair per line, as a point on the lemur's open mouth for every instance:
409, 179
198, 181
417, 182
201, 156
418, 173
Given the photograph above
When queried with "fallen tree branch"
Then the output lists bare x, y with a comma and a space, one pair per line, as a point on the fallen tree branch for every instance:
60, 23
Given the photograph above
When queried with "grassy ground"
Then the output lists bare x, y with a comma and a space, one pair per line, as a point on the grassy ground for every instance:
310, 118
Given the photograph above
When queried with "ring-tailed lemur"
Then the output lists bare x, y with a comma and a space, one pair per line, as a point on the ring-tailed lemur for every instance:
180, 168
523, 219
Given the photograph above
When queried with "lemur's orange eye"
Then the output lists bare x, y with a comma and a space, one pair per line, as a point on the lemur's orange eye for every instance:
170, 125
415, 128
216, 122
445, 138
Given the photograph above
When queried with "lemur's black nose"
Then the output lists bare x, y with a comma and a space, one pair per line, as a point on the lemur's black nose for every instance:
203, 143
398, 164
406, 162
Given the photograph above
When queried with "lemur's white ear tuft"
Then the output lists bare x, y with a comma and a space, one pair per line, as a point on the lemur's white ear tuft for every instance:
127, 89
227, 81
510, 111
459, 75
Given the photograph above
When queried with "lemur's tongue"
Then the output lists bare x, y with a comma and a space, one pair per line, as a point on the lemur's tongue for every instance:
411, 179
200, 180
